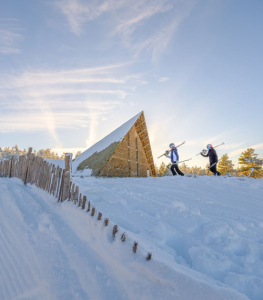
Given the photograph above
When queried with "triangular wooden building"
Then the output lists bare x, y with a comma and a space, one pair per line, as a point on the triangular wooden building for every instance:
126, 152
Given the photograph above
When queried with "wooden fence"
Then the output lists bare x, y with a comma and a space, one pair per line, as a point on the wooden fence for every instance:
56, 181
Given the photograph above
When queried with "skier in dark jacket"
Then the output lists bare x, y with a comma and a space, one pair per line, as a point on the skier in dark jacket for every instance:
212, 159
174, 159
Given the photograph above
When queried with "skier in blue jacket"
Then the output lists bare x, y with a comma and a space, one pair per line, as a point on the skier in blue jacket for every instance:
174, 159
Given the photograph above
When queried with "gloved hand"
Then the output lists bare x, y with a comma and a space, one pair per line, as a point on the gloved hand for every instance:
167, 152
203, 151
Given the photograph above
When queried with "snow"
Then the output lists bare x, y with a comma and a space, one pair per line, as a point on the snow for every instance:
115, 136
205, 235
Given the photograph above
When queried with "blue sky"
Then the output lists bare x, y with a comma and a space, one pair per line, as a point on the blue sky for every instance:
72, 71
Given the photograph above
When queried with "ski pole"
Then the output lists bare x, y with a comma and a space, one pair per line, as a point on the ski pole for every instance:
213, 147
170, 150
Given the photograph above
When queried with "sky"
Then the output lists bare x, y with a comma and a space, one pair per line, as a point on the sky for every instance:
72, 71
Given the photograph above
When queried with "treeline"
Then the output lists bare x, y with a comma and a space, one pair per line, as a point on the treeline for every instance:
248, 165
7, 153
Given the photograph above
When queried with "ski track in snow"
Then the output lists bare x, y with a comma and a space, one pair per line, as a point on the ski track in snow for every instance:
205, 234
212, 225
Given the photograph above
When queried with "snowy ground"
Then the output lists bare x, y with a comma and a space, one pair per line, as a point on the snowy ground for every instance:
205, 233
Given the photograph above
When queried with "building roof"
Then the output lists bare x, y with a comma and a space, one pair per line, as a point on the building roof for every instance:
111, 142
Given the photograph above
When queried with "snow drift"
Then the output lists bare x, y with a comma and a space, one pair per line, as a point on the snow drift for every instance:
205, 233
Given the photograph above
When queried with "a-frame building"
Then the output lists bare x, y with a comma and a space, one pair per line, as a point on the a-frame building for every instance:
126, 152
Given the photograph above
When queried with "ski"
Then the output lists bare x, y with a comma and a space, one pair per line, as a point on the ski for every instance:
213, 147
170, 150
180, 144
169, 165
216, 162
184, 160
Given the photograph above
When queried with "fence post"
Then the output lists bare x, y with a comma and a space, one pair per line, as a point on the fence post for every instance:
64, 193
80, 199
59, 179
30, 172
84, 202
61, 186
76, 195
135, 246
72, 188
66, 184
10, 167
88, 209
93, 210
114, 230
68, 163
149, 256
26, 165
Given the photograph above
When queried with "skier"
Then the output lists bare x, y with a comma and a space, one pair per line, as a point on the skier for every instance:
212, 158
174, 159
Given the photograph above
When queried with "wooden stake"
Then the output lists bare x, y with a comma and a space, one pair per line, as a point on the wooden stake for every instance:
149, 256
72, 192
84, 202
135, 246
76, 195
67, 162
88, 209
106, 222
123, 237
66, 181
115, 230
10, 167
61, 186
80, 199
93, 211
99, 216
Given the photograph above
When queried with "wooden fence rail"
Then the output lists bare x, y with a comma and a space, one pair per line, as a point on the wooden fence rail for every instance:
54, 180
35, 170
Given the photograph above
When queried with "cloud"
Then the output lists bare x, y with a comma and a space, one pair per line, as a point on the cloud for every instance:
163, 79
56, 99
215, 138
233, 146
79, 12
9, 36
239, 151
135, 23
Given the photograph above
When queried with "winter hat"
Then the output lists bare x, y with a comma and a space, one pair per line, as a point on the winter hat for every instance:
172, 145
209, 146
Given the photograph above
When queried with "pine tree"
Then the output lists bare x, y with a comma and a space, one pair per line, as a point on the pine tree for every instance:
156, 169
225, 165
197, 171
77, 154
162, 169
14, 152
184, 168
250, 165
47, 153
